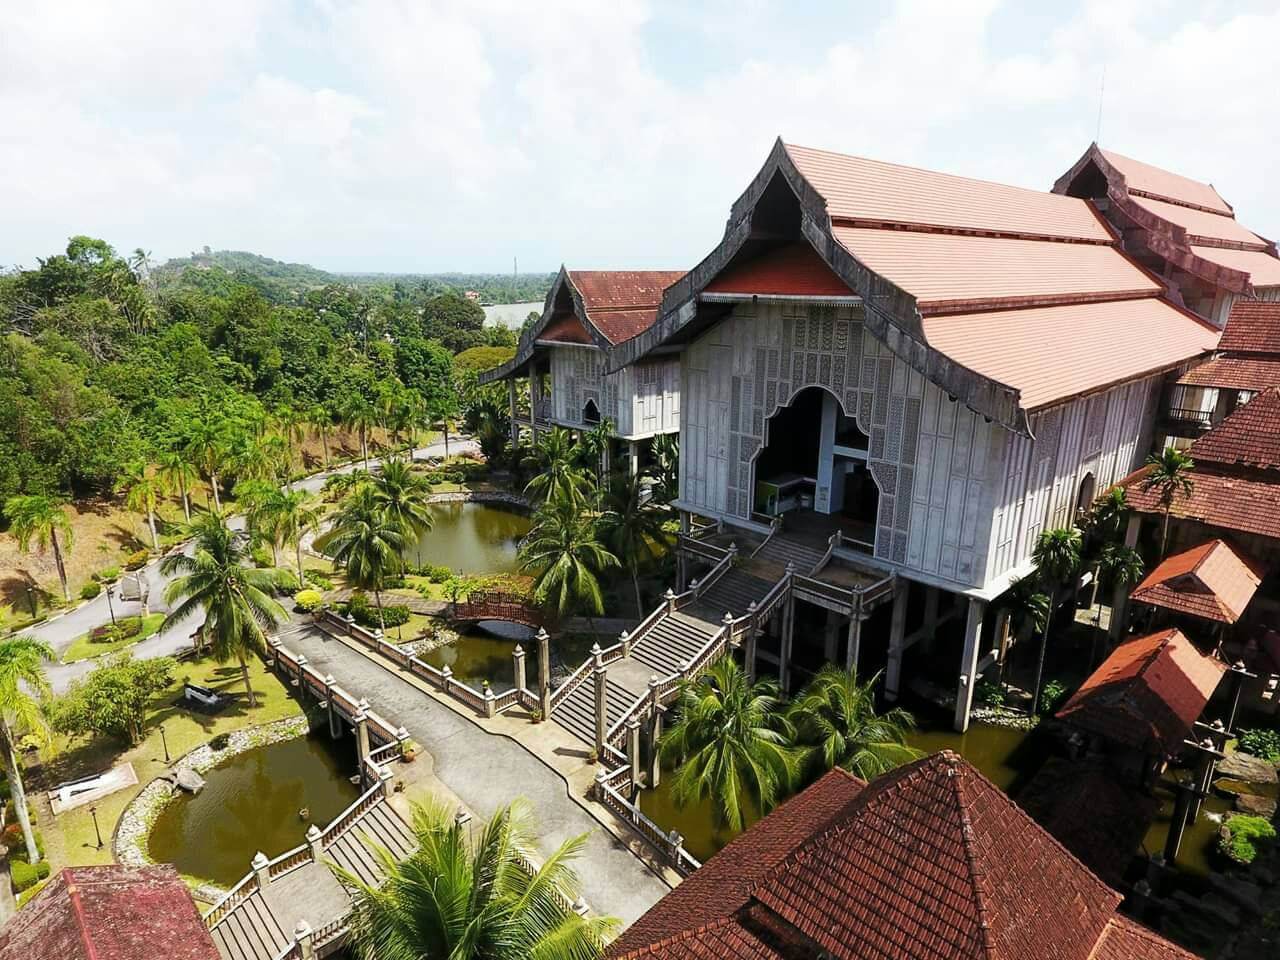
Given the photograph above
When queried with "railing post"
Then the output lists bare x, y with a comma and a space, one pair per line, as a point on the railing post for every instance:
335, 724
674, 843
726, 624
517, 665
544, 673
753, 634
301, 661
315, 840
274, 644
655, 730
385, 776
351, 625
733, 553
602, 700
598, 786
693, 586
305, 938
633, 753
402, 738
670, 597
259, 865
490, 703
625, 639
446, 677
361, 720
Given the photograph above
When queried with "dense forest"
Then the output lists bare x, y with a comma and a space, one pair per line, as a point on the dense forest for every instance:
216, 270
107, 363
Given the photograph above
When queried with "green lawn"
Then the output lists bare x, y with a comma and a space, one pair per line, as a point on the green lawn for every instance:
82, 648
70, 838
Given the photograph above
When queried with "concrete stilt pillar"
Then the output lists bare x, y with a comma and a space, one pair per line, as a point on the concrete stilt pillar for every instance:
853, 647
969, 663
749, 647
1120, 599
788, 635
600, 679
655, 732
831, 637
362, 737
633, 458
335, 721
897, 638
511, 396
544, 673
682, 562
517, 667
931, 597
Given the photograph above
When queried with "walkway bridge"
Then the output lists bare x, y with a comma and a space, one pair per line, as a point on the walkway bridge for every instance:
499, 605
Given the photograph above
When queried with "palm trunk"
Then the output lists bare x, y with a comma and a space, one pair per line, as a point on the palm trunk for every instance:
1044, 648
377, 598
1164, 534
151, 522
324, 446
186, 501
248, 687
302, 579
213, 485
19, 793
446, 439
57, 558
635, 582
364, 447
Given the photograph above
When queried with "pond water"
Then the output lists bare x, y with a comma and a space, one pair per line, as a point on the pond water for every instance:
471, 538
252, 803
481, 654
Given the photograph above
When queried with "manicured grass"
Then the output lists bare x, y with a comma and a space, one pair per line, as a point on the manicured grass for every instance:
70, 839
82, 648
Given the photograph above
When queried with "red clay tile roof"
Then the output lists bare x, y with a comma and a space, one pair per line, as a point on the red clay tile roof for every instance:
1147, 694
1209, 581
1253, 326
622, 303
871, 192
1262, 267
109, 913
1234, 373
1217, 499
1147, 180
1250, 437
794, 270
566, 329
935, 861
722, 886
1126, 940
1054, 353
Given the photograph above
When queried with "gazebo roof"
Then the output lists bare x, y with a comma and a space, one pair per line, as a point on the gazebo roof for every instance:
1210, 581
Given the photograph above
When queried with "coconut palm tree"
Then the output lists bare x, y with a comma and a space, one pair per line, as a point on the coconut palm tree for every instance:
1170, 477
594, 449
42, 519
293, 428
360, 415
254, 497
444, 411
1057, 558
836, 721
294, 514
207, 446
632, 531
732, 741
366, 543
177, 475
475, 899
142, 488
22, 687
666, 459
557, 475
320, 420
404, 496
564, 552
338, 485
234, 596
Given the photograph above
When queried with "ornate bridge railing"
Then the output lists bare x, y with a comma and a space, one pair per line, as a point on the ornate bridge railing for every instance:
497, 605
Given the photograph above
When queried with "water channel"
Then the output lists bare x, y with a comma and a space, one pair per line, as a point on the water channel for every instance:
472, 538
253, 802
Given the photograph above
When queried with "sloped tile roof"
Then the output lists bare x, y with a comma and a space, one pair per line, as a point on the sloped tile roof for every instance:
622, 303
936, 862
1055, 353
949, 270
1200, 223
1143, 178
1253, 326
566, 329
1209, 581
1234, 373
1262, 267
873, 192
794, 270
1126, 940
1217, 499
109, 913
1250, 437
1147, 694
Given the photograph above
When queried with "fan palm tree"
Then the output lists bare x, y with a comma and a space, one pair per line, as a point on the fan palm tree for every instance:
22, 686
404, 496
366, 543
142, 488
557, 475
177, 475
564, 552
632, 531
836, 720
1057, 558
235, 597
43, 520
476, 900
731, 742
1170, 477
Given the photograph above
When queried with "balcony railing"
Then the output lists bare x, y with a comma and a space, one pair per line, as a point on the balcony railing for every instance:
1193, 417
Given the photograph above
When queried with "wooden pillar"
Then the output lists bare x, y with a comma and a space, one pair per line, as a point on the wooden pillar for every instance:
535, 400
1120, 599
633, 457
788, 633
1178, 823
831, 637
931, 598
682, 562
600, 679
511, 396
969, 663
749, 648
544, 673
853, 649
897, 638
1238, 676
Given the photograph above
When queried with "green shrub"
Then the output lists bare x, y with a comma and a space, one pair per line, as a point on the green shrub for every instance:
989, 693
396, 583
365, 612
434, 572
17, 844
220, 741
261, 557
136, 560
318, 580
287, 583
1261, 742
90, 590
1054, 692
123, 629
106, 574
24, 875
437, 477
308, 601
1244, 836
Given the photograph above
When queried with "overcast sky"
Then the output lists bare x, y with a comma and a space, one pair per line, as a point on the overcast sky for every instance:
420, 136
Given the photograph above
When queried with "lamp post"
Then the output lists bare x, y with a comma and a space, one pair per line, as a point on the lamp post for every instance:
111, 589
93, 811
31, 599
165, 743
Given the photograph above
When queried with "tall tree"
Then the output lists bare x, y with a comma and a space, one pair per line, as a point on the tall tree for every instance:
1170, 477
632, 530
1057, 558
731, 741
142, 489
207, 447
22, 686
177, 475
42, 520
557, 476
294, 514
320, 419
475, 900
404, 496
366, 543
836, 721
666, 458
113, 698
360, 415
234, 597
564, 552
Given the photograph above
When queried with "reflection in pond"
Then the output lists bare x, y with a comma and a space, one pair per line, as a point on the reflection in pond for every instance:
251, 803
480, 655
471, 538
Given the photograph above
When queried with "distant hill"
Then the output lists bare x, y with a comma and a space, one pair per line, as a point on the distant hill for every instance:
215, 270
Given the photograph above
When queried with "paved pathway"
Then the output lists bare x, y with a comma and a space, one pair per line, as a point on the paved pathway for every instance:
486, 770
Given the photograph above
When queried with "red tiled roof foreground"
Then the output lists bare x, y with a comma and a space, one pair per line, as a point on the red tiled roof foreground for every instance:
1209, 581
109, 913
622, 303
1217, 500
1148, 694
1250, 437
1234, 373
930, 862
1253, 326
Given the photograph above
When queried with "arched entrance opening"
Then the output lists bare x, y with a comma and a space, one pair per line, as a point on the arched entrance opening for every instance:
590, 412
813, 469
1086, 494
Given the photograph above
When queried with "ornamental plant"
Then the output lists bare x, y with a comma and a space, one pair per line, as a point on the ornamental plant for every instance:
1244, 836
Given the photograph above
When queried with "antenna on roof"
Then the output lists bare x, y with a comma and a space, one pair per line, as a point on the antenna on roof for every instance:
1102, 89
